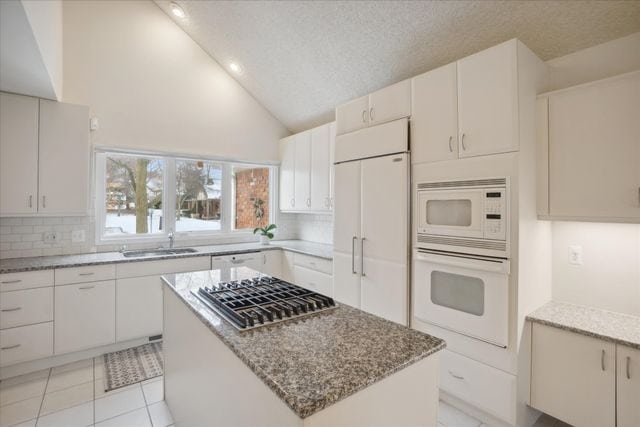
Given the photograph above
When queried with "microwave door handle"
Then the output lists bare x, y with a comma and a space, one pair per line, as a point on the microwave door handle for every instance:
502, 266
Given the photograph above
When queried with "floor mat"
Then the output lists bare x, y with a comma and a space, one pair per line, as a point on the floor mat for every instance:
132, 365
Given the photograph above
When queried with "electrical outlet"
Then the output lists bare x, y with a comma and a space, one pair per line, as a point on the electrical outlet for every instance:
575, 255
52, 237
77, 236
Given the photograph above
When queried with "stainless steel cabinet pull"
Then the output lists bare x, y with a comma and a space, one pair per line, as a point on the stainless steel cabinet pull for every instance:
308, 203
44, 201
362, 257
458, 377
11, 281
10, 347
450, 146
464, 147
628, 370
353, 258
30, 201
364, 116
237, 261
5, 310
86, 274
264, 259
602, 360
371, 114
82, 288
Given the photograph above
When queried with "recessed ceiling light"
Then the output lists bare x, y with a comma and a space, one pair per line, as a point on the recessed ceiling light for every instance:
235, 67
177, 10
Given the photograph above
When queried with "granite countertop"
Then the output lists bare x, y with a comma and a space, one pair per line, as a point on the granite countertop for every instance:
15, 265
312, 362
594, 322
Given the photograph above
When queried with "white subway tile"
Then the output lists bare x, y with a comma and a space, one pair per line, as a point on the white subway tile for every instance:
42, 228
21, 245
52, 220
20, 229
52, 251
31, 221
31, 252
11, 221
34, 237
11, 238
5, 229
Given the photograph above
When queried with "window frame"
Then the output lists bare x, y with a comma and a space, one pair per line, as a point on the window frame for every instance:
226, 230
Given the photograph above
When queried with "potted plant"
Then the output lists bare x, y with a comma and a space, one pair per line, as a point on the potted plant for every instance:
265, 233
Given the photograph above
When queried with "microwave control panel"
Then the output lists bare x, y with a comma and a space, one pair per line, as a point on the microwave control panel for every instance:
495, 214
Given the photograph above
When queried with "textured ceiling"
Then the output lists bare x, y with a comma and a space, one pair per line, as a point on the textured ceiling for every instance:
301, 58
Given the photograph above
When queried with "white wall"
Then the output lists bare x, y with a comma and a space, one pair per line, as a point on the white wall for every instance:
153, 87
609, 277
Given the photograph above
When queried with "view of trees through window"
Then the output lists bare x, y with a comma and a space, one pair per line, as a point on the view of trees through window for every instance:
133, 195
198, 195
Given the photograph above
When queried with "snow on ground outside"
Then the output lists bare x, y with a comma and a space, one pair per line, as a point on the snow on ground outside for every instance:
127, 223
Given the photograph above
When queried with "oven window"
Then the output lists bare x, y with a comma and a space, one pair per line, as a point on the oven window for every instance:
462, 293
449, 212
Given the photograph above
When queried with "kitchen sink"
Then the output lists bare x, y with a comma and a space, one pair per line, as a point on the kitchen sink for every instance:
156, 252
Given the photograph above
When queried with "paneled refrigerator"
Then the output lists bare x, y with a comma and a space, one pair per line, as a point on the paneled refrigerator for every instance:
371, 220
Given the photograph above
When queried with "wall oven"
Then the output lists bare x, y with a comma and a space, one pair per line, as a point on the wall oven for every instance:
466, 294
465, 216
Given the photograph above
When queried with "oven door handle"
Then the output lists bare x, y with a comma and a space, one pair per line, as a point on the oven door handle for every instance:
472, 263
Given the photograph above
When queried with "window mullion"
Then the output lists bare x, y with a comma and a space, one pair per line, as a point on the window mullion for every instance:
170, 195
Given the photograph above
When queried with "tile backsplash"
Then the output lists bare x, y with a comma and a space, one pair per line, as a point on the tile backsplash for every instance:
25, 236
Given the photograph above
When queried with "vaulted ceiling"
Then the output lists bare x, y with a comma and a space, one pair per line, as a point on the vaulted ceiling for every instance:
301, 58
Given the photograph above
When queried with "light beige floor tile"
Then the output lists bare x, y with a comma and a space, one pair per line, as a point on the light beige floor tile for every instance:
153, 392
453, 417
79, 374
23, 390
76, 416
160, 414
118, 403
98, 367
100, 393
137, 418
24, 378
19, 412
72, 366
152, 380
63, 399
30, 423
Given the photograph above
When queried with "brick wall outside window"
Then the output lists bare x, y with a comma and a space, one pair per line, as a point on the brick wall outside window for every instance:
251, 184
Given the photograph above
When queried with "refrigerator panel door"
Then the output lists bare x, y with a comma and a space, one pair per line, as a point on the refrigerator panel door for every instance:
347, 206
387, 138
385, 208
384, 290
346, 284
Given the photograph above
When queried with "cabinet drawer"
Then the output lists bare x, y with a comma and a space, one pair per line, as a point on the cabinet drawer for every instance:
84, 316
165, 266
26, 343
313, 280
19, 308
313, 263
91, 273
485, 387
25, 280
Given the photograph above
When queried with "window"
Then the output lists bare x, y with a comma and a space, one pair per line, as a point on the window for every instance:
133, 195
148, 196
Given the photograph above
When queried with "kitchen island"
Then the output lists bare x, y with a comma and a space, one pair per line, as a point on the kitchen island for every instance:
341, 367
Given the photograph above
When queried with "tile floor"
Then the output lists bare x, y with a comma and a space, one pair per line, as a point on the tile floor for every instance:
73, 395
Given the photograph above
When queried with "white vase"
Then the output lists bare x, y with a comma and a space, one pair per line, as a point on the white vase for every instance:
264, 240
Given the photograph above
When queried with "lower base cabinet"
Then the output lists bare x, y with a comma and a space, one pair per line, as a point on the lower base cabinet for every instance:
573, 377
138, 307
628, 383
271, 263
84, 316
26, 343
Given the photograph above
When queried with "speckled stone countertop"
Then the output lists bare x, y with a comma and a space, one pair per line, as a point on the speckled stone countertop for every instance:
594, 322
15, 265
312, 362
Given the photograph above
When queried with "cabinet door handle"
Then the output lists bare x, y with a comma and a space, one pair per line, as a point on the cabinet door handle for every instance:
308, 203
10, 347
628, 369
86, 274
464, 146
6, 310
458, 377
264, 259
353, 257
364, 116
11, 281
44, 201
602, 359
371, 114
84, 288
30, 200
450, 146
362, 257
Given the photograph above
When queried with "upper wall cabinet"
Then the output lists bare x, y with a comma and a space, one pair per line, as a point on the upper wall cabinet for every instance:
589, 151
44, 150
391, 103
306, 170
470, 107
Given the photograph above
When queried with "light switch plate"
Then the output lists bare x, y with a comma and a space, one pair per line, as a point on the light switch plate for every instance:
575, 255
78, 236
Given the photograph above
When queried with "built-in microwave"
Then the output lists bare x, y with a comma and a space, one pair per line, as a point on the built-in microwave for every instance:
464, 216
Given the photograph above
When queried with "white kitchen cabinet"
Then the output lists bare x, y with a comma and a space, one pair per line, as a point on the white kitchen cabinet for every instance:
313, 280
590, 142
302, 180
252, 260
488, 101
84, 316
332, 159
26, 343
271, 263
320, 169
138, 307
287, 173
434, 115
628, 387
20, 308
352, 115
26, 280
18, 154
89, 273
573, 377
287, 273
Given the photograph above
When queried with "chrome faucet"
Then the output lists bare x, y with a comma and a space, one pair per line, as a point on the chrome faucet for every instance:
171, 238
